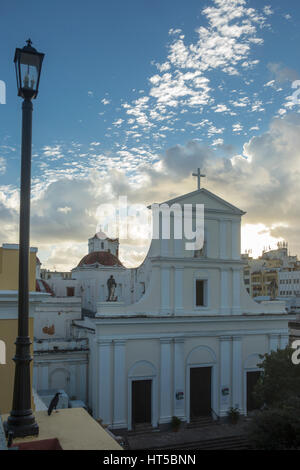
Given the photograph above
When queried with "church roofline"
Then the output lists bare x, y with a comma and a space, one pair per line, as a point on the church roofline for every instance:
232, 208
106, 238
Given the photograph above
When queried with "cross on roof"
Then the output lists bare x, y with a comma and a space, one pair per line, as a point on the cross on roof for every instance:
199, 176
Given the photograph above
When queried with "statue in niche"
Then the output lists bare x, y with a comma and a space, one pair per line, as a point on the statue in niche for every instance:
111, 285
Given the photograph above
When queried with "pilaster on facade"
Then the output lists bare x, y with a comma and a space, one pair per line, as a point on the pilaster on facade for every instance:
104, 380
165, 284
178, 290
284, 341
225, 375
119, 404
179, 380
236, 239
236, 291
237, 377
273, 342
223, 236
165, 380
224, 295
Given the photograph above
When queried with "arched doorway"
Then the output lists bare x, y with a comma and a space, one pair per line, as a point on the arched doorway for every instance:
142, 395
201, 383
252, 374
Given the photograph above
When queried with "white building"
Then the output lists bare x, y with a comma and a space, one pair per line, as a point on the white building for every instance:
289, 283
89, 277
60, 356
189, 347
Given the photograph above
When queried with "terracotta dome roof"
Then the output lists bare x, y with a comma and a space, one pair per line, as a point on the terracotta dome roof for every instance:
101, 257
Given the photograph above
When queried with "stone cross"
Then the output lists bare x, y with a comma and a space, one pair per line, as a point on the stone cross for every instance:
199, 176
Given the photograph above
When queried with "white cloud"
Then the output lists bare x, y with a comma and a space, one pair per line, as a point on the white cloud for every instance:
218, 142
220, 108
268, 10
271, 83
237, 128
118, 122
183, 80
2, 165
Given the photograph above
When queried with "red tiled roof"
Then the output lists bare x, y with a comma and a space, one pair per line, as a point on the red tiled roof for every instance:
42, 286
101, 257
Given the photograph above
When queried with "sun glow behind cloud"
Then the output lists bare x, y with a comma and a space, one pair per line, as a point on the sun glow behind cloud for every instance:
257, 238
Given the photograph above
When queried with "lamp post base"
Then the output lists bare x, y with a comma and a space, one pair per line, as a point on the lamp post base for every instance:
21, 425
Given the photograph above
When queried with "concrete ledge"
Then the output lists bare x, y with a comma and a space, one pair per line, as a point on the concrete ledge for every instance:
74, 428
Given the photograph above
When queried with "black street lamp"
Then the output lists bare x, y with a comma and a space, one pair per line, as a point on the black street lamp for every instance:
21, 421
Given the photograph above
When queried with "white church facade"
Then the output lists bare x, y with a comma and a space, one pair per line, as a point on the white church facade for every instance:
188, 344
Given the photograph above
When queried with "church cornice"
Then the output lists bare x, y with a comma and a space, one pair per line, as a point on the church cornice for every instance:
231, 208
223, 322
198, 262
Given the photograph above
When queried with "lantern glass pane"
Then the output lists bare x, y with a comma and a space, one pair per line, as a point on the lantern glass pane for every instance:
29, 65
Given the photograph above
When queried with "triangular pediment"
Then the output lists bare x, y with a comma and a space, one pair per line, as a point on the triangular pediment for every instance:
212, 202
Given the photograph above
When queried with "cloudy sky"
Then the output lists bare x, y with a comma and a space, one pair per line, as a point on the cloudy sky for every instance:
134, 96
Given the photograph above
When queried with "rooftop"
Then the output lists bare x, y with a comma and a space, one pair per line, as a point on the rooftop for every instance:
73, 428
103, 258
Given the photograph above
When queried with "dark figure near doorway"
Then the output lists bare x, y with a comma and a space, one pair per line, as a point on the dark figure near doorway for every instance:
111, 285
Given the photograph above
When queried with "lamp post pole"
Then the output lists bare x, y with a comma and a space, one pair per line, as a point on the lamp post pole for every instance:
21, 421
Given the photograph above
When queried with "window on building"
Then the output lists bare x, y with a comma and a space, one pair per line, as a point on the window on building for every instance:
201, 293
102, 245
70, 291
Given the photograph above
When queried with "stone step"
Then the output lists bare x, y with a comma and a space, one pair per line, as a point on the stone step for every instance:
221, 443
201, 422
142, 429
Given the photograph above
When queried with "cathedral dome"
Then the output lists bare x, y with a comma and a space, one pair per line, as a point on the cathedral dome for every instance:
101, 257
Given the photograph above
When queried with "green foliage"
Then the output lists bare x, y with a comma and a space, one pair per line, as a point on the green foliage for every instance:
176, 422
280, 378
233, 415
277, 428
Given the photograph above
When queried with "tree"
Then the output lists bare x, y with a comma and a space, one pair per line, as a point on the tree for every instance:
277, 425
280, 379
277, 428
